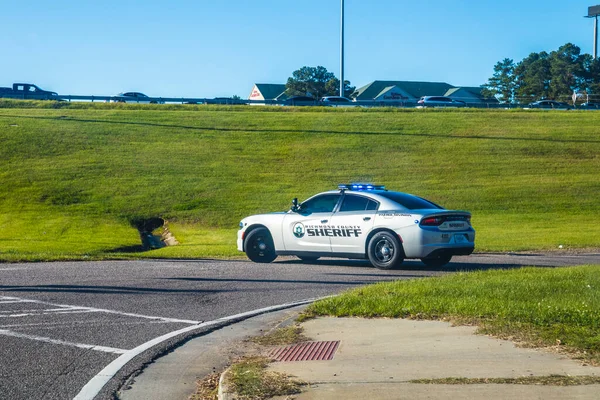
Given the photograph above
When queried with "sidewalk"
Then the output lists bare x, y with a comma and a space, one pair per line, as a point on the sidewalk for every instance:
377, 357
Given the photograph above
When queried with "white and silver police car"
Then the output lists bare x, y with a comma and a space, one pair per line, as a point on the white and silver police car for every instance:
360, 221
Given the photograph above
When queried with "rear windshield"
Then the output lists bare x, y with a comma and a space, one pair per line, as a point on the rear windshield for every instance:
409, 201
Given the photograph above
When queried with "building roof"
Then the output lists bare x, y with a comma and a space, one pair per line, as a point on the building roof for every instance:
272, 91
475, 91
450, 92
415, 89
385, 90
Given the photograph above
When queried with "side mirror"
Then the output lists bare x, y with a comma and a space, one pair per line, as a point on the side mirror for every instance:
295, 207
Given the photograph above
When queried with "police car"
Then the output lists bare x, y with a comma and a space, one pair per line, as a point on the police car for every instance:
360, 221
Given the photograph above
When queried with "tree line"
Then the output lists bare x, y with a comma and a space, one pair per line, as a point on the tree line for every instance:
555, 75
316, 82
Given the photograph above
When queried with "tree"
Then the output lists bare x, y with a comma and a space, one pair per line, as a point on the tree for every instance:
556, 75
591, 72
333, 88
502, 84
315, 82
566, 71
532, 77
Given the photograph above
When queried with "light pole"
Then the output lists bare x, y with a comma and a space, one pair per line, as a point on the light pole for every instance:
342, 51
594, 12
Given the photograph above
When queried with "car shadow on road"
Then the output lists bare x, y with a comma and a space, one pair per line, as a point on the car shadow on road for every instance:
411, 265
114, 289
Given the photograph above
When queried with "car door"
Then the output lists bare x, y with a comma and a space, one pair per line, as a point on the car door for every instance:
308, 229
351, 224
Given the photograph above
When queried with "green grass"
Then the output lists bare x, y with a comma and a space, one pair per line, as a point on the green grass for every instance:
282, 336
74, 174
540, 306
249, 379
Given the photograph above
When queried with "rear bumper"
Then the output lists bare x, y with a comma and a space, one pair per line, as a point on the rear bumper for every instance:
454, 251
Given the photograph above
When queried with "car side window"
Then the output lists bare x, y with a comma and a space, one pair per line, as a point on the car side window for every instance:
354, 203
373, 205
319, 204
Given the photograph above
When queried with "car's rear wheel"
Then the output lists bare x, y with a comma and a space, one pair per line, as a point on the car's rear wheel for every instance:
308, 258
385, 251
259, 246
437, 261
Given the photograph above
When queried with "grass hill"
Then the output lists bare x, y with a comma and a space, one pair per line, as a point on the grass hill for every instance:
74, 176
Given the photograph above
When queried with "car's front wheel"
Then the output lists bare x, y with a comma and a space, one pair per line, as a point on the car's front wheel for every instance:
259, 246
437, 261
385, 251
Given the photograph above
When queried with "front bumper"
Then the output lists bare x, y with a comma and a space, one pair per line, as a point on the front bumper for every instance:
240, 240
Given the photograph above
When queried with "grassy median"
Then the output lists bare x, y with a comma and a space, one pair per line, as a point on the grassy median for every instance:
538, 306
75, 176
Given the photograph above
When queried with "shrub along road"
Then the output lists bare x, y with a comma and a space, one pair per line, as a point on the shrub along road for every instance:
61, 323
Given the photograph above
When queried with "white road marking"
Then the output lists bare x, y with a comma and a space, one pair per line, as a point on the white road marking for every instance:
87, 323
95, 385
37, 310
104, 349
47, 313
93, 309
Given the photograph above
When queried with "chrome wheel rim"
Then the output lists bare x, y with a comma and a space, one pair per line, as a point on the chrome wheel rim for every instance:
384, 251
260, 246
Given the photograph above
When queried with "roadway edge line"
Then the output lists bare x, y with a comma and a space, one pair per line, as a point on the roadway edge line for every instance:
97, 383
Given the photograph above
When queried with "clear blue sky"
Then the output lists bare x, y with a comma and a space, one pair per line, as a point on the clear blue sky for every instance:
208, 48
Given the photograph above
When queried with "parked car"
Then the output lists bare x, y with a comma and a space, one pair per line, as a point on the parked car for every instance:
300, 101
226, 101
360, 221
590, 106
27, 91
550, 105
337, 101
439, 101
133, 97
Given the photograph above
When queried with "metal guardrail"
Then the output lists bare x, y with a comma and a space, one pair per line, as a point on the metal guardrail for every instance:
229, 101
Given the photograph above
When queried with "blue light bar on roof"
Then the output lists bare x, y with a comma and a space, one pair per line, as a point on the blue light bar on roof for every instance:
361, 186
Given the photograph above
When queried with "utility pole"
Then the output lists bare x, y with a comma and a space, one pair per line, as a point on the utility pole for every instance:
596, 37
342, 51
594, 12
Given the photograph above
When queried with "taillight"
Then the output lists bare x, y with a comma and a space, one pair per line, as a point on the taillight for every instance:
432, 221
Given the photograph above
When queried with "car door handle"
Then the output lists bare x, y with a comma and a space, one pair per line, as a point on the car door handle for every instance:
366, 218
324, 221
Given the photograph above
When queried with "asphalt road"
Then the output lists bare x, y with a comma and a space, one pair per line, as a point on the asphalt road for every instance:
61, 323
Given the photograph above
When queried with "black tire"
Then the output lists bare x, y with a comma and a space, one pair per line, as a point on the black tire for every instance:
308, 258
385, 251
259, 246
437, 261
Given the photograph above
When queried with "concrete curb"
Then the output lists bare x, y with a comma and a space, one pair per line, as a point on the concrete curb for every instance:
100, 382
223, 392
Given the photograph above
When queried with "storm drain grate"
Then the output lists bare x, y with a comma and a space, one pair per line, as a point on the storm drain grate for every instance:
309, 351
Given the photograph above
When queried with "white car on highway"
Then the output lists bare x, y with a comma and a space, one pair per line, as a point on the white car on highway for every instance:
360, 221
